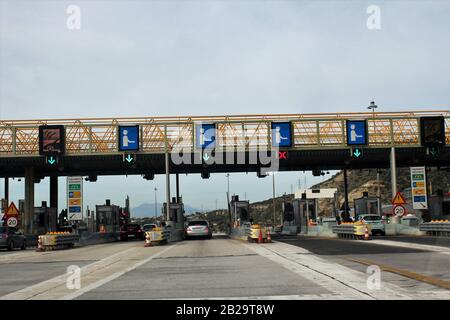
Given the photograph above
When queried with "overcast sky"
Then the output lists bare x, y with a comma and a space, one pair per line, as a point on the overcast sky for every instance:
154, 58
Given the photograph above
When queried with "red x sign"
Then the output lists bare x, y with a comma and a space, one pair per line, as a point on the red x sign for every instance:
282, 155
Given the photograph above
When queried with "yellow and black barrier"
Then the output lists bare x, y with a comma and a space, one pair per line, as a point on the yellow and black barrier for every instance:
57, 241
353, 230
157, 236
257, 233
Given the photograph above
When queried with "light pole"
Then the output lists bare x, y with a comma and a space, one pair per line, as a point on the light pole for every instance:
156, 204
228, 187
273, 197
372, 107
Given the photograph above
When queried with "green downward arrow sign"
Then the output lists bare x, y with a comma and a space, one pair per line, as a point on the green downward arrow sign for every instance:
129, 158
205, 156
357, 153
51, 160
433, 151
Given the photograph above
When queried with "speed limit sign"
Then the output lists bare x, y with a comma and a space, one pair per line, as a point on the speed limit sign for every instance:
399, 211
11, 222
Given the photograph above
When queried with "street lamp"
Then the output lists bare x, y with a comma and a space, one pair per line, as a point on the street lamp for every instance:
228, 187
372, 107
156, 204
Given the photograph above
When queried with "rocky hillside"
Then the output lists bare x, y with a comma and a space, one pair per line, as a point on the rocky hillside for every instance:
359, 181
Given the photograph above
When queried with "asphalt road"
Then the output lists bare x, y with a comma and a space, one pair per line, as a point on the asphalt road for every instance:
289, 268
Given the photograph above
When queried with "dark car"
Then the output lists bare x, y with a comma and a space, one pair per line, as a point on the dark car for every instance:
131, 231
11, 238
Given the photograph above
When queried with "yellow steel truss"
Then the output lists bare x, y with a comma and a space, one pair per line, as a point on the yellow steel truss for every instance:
99, 136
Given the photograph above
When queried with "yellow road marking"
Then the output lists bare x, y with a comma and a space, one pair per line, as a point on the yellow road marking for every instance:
405, 273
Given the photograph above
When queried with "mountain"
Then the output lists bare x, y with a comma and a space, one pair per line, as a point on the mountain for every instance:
148, 210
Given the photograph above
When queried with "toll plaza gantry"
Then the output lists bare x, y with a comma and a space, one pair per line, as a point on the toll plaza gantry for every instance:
35, 149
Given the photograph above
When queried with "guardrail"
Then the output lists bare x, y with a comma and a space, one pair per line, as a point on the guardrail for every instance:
350, 230
56, 241
436, 228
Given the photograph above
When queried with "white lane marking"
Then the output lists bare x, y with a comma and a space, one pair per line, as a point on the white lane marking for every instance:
116, 275
56, 281
325, 296
332, 276
410, 245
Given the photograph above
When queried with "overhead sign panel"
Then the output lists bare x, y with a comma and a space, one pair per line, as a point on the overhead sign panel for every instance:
356, 132
74, 198
51, 140
419, 188
205, 135
432, 131
281, 134
128, 138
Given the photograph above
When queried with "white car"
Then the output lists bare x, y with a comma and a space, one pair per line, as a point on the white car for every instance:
376, 223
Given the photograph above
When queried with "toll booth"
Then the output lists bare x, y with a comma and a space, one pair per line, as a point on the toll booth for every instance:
108, 216
304, 210
439, 207
240, 210
176, 212
45, 219
366, 205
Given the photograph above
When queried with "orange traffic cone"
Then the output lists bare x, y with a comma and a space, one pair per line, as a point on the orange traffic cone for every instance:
269, 239
260, 238
366, 234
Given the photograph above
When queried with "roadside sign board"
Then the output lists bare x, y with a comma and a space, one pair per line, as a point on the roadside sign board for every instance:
398, 199
11, 216
12, 222
419, 188
399, 210
12, 210
74, 198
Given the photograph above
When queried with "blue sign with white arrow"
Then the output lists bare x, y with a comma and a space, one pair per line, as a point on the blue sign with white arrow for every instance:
206, 136
128, 138
356, 132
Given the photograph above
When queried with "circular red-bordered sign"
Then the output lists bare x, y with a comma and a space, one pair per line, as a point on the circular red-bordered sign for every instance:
399, 211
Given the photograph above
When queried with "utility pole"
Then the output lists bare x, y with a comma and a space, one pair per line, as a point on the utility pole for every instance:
156, 204
372, 107
273, 196
228, 187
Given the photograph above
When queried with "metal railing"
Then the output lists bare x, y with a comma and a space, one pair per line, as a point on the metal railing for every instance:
310, 131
